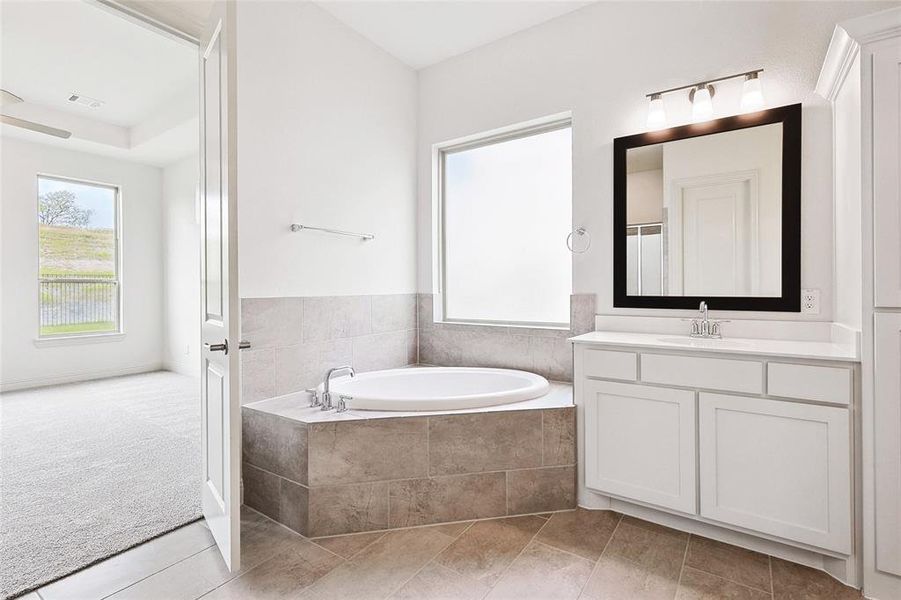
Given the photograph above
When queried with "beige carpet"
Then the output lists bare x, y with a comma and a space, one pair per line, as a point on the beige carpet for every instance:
91, 469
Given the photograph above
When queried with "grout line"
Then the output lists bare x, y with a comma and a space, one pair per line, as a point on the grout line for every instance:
556, 549
682, 568
425, 564
594, 568
169, 566
526, 545
772, 584
355, 554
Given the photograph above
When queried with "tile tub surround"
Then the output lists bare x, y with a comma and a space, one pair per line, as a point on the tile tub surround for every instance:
354, 474
543, 351
296, 340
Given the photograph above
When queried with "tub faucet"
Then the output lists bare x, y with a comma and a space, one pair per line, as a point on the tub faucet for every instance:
326, 395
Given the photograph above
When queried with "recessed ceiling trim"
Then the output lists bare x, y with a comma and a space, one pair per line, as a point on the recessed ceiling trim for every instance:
143, 20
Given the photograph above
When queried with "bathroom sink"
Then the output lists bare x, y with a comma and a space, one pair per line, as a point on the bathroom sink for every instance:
702, 342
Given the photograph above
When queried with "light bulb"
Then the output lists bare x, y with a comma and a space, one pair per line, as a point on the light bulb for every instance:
701, 104
656, 113
752, 94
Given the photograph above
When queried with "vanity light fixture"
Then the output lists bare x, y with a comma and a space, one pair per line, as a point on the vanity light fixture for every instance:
752, 93
701, 102
701, 94
656, 112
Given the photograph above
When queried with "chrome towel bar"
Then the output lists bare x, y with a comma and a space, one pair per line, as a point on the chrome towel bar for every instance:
364, 236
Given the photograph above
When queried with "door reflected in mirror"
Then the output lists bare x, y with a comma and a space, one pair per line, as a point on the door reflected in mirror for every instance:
704, 215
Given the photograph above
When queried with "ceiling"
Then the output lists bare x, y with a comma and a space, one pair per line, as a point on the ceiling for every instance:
147, 81
424, 33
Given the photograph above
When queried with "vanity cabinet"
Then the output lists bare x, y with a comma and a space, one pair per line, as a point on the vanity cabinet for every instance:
734, 439
776, 467
642, 443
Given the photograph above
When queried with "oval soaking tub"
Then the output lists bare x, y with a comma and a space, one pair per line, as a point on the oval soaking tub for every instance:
437, 388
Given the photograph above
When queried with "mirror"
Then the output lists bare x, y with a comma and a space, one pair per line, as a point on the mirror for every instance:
710, 212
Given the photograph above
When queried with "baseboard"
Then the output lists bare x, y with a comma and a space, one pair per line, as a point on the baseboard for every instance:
76, 376
189, 368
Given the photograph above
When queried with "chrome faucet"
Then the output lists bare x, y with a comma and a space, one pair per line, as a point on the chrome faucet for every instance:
703, 327
326, 395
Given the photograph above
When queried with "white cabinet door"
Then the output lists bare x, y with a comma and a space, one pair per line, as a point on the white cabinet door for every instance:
640, 443
886, 176
780, 468
887, 441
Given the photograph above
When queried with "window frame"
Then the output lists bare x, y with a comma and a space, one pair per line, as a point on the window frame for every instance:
439, 245
42, 339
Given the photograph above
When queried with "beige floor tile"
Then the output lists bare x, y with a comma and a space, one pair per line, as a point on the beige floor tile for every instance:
435, 582
797, 582
582, 532
543, 573
382, 567
261, 539
729, 562
186, 580
618, 578
658, 548
453, 529
346, 546
282, 576
698, 585
131, 566
486, 549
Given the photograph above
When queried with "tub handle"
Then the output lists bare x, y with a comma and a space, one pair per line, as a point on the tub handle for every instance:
342, 402
314, 396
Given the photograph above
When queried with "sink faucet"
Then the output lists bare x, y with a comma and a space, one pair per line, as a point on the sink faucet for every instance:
326, 395
703, 327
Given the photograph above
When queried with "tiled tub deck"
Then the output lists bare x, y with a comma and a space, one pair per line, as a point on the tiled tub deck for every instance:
325, 473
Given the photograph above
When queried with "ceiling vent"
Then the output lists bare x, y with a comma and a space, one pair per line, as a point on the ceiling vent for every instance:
85, 101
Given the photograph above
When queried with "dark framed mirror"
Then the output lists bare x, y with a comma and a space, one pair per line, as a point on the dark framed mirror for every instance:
710, 211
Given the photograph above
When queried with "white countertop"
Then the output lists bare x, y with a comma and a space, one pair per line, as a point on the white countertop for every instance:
814, 350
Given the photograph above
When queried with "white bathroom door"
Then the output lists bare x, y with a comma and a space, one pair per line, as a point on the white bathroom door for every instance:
220, 388
719, 239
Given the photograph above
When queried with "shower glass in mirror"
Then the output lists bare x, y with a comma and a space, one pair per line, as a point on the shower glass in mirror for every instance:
704, 215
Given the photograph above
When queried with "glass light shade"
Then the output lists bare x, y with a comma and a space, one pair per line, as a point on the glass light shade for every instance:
752, 94
656, 113
702, 104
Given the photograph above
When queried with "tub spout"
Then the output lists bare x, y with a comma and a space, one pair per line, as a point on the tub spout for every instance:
326, 395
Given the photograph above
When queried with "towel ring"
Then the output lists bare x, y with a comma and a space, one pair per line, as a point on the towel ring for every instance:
580, 231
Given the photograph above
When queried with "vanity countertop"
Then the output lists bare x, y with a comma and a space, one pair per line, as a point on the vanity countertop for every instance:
813, 350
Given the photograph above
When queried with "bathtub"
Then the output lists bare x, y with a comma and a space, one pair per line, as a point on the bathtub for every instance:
437, 388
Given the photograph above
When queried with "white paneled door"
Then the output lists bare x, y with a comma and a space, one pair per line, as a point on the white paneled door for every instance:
886, 149
640, 443
220, 389
887, 441
777, 467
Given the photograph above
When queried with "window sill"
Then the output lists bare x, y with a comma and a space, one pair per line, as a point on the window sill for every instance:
507, 325
74, 340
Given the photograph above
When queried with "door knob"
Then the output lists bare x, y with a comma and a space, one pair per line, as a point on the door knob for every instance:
223, 347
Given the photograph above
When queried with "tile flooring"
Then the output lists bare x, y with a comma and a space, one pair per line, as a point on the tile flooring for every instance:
574, 554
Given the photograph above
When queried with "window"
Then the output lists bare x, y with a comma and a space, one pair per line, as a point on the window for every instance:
79, 257
506, 209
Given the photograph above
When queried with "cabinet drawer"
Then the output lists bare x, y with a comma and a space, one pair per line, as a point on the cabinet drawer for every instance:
781, 468
808, 382
610, 364
711, 373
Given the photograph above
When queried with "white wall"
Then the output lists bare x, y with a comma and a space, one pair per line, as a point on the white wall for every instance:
181, 267
326, 137
848, 242
599, 62
22, 363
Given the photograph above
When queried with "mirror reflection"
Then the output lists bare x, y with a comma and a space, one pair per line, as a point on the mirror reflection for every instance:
704, 215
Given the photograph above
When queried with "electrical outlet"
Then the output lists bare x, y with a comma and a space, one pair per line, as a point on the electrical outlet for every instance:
810, 302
